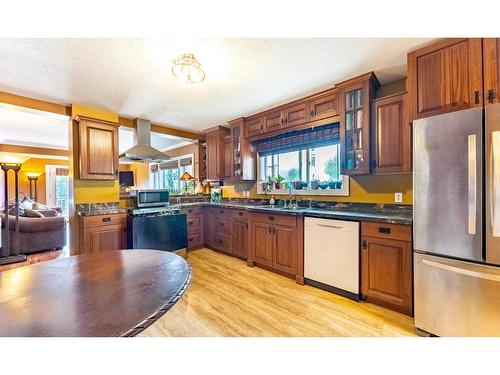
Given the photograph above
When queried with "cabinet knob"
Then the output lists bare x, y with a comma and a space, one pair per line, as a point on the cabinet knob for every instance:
491, 96
312, 113
365, 245
476, 97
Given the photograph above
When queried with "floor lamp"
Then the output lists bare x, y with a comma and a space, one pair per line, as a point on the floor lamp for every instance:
33, 179
11, 163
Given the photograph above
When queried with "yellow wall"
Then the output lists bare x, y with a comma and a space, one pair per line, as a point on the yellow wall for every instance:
92, 191
363, 189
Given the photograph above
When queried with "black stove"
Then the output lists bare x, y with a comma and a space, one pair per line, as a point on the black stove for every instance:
158, 228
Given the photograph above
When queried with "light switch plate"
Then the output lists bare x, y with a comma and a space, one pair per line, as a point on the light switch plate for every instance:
398, 197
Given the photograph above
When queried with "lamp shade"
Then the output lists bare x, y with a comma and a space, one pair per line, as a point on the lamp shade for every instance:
11, 158
32, 174
186, 177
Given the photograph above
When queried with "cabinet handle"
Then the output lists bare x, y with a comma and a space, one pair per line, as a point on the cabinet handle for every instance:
374, 164
282, 119
116, 172
221, 224
312, 113
491, 96
365, 245
191, 238
221, 211
190, 223
274, 230
286, 120
271, 218
384, 230
476, 97
106, 219
240, 213
269, 230
190, 210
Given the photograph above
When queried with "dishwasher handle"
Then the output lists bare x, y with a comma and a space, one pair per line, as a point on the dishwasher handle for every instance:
330, 226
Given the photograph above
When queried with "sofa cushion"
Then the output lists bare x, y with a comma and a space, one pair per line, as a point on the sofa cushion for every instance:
32, 224
32, 213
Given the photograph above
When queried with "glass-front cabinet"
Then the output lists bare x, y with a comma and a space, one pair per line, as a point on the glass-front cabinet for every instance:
355, 126
236, 151
243, 156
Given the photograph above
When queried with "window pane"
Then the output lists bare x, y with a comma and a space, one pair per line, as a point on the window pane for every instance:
289, 165
325, 164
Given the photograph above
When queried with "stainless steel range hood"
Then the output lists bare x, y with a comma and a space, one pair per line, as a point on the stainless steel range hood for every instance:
142, 150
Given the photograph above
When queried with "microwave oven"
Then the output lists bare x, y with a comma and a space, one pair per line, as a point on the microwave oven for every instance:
149, 197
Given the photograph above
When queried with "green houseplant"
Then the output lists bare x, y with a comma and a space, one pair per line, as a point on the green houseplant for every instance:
279, 181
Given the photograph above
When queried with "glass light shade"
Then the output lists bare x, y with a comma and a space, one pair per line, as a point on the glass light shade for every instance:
12, 159
32, 174
186, 177
187, 69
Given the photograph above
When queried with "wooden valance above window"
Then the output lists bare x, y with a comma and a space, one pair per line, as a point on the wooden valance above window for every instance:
170, 164
320, 136
62, 171
186, 161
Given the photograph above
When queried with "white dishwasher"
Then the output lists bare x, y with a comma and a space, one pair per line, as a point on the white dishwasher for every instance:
331, 255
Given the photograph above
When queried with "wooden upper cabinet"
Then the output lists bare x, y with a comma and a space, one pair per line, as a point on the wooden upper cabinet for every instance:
274, 121
296, 115
445, 76
491, 69
228, 160
98, 141
254, 126
323, 107
243, 154
215, 153
391, 135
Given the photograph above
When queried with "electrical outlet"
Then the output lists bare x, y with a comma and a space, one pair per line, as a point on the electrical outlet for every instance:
398, 197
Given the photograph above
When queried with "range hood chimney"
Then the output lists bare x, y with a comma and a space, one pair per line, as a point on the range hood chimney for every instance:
142, 150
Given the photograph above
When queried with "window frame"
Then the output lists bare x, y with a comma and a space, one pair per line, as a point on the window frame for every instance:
160, 178
342, 192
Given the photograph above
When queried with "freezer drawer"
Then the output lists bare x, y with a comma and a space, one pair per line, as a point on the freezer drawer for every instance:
331, 253
456, 298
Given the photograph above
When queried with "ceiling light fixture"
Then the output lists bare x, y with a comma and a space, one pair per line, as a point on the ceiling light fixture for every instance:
187, 69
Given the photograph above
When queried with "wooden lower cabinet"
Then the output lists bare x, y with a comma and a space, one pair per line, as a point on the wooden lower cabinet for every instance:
105, 232
276, 242
195, 226
262, 243
386, 266
239, 238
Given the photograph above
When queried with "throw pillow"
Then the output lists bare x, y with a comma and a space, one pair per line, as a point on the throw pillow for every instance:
26, 203
39, 206
32, 213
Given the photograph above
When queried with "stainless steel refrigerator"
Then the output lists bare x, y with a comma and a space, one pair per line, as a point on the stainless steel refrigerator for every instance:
456, 228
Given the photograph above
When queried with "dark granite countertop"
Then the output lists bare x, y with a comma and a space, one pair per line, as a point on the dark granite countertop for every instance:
357, 212
387, 213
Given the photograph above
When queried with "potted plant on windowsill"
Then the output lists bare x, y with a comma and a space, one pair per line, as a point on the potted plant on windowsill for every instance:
279, 182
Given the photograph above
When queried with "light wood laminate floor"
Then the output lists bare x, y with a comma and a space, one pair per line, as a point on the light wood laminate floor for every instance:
228, 298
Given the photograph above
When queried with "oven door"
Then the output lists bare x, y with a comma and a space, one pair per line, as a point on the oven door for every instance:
167, 233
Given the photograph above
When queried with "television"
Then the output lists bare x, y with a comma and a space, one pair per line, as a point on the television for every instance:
126, 178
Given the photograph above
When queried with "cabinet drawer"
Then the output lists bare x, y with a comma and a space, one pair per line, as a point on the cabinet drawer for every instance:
239, 214
192, 211
194, 221
221, 212
99, 220
222, 243
286, 220
383, 230
194, 240
222, 228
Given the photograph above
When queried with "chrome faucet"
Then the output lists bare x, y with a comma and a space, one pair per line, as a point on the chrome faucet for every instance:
290, 190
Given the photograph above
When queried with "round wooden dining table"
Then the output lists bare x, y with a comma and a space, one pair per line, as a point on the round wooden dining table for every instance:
111, 293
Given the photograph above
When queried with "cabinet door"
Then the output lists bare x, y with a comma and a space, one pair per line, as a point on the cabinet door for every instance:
491, 69
228, 165
209, 228
391, 146
239, 241
98, 149
273, 121
262, 243
445, 76
355, 129
285, 249
254, 126
323, 107
213, 164
386, 267
105, 237
296, 115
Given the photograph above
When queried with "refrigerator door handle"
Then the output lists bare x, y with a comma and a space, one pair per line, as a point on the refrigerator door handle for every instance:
495, 183
472, 183
462, 271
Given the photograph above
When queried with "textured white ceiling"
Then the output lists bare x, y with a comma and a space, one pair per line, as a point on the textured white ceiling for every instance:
133, 76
